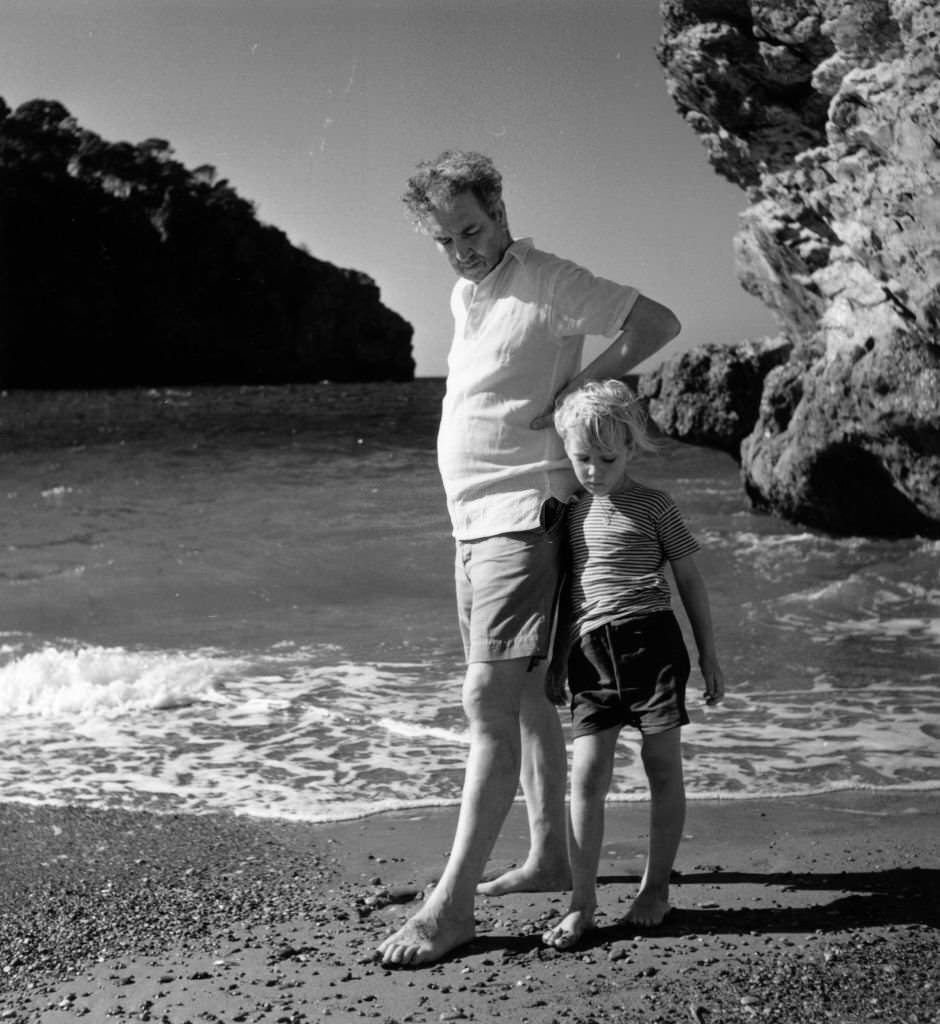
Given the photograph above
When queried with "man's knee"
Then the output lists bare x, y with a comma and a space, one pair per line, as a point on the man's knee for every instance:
492, 691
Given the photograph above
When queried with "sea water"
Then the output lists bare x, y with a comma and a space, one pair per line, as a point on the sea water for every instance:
234, 599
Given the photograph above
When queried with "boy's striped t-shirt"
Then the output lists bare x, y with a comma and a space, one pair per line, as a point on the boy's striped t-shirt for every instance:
620, 544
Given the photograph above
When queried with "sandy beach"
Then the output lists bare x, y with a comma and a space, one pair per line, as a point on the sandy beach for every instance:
821, 908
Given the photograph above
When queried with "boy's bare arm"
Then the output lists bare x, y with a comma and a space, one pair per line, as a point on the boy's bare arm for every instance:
694, 598
557, 672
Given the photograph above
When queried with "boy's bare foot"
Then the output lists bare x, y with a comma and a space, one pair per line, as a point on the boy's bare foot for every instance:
649, 909
528, 878
569, 930
425, 938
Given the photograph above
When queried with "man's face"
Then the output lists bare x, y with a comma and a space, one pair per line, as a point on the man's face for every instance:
472, 240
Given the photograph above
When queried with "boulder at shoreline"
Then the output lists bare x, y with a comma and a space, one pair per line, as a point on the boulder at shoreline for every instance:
711, 395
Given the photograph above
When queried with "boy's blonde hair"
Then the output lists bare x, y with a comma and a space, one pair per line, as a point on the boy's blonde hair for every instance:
605, 414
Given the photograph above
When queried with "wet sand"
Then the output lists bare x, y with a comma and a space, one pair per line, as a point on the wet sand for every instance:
822, 908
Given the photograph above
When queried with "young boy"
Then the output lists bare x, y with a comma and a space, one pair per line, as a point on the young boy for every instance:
627, 664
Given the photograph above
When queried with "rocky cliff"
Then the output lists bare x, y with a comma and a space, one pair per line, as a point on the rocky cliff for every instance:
827, 112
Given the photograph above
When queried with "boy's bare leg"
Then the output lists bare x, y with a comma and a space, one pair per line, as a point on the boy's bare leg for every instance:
492, 696
662, 759
591, 769
544, 778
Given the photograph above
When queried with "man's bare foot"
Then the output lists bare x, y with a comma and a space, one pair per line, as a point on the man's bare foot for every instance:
528, 878
569, 930
649, 909
425, 938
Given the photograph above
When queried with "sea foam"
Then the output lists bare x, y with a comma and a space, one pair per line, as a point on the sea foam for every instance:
89, 681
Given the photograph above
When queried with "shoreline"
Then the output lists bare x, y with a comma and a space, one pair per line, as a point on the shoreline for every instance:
788, 910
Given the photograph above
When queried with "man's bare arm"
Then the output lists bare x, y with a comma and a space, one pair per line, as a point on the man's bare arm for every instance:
646, 330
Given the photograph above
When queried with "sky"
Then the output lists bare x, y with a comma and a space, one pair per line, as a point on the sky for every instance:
319, 110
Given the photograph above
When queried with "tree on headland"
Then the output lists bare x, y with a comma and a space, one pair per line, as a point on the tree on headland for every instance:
120, 266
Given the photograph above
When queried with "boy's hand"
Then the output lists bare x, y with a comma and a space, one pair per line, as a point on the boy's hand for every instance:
556, 675
555, 678
714, 680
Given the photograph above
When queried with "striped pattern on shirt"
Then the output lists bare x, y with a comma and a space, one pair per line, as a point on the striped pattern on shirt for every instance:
619, 548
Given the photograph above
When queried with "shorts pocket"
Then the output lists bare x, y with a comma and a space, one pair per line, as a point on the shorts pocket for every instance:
552, 514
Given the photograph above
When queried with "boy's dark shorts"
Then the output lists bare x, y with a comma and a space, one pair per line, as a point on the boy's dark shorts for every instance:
634, 673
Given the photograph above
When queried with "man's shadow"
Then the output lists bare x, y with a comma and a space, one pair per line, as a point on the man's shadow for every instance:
896, 896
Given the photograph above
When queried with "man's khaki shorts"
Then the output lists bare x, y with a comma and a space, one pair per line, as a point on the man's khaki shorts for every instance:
507, 590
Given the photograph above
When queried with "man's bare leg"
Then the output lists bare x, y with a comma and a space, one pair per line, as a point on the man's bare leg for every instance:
662, 759
492, 697
544, 779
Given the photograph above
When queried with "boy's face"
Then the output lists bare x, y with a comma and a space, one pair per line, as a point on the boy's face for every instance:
472, 240
600, 471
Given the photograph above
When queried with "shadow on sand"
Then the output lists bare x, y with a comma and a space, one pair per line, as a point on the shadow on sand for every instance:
897, 896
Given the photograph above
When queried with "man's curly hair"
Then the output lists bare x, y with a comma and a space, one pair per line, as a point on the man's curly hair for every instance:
438, 182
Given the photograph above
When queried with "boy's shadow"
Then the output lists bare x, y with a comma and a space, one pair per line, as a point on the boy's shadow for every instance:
867, 899
896, 896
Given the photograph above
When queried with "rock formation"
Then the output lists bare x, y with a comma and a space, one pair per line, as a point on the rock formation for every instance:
827, 112
121, 267
711, 395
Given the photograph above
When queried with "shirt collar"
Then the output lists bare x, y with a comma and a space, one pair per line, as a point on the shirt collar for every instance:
516, 250
519, 249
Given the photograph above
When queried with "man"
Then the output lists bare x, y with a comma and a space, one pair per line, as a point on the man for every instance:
520, 320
